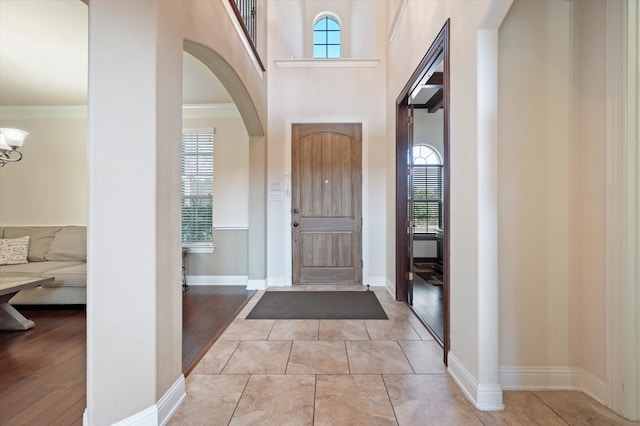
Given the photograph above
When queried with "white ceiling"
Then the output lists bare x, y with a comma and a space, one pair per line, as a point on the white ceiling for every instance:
44, 57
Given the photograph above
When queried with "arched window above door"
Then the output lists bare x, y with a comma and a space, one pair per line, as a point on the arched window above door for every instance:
426, 154
427, 189
326, 37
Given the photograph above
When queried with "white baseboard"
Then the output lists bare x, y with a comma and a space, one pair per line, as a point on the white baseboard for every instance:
594, 386
278, 281
376, 281
483, 397
159, 413
554, 378
256, 284
171, 400
196, 280
146, 417
391, 288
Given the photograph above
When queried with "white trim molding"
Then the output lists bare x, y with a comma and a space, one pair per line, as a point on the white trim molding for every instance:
554, 378
210, 111
171, 400
278, 282
327, 63
631, 291
256, 285
159, 413
376, 282
483, 397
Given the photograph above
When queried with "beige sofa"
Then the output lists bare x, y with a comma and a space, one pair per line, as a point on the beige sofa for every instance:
54, 251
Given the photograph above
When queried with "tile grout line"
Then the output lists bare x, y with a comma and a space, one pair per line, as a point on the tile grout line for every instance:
230, 356
406, 357
393, 408
244, 389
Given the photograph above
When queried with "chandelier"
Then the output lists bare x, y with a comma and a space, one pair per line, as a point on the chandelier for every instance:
10, 141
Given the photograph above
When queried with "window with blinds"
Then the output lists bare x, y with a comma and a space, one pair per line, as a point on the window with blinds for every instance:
427, 190
197, 187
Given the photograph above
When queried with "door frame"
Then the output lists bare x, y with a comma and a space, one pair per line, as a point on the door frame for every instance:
286, 218
440, 43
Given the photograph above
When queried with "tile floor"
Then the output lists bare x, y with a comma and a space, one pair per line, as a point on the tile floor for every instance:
379, 372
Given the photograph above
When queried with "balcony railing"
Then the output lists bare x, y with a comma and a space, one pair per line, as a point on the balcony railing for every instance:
245, 11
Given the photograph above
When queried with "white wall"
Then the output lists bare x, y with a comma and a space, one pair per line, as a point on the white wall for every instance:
314, 90
49, 185
428, 128
413, 33
231, 191
135, 74
533, 154
231, 162
589, 189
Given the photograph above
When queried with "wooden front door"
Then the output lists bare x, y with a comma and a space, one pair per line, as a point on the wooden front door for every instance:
326, 203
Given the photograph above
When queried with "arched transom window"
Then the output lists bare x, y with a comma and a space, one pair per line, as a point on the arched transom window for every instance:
427, 189
326, 38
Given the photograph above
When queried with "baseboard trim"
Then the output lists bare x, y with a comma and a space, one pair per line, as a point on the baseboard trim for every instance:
256, 284
483, 397
196, 280
278, 282
171, 400
376, 281
146, 417
159, 413
391, 288
554, 378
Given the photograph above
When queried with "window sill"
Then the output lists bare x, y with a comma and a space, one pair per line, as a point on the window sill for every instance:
199, 249
328, 63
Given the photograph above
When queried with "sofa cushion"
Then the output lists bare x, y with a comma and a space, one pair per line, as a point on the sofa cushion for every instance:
70, 243
35, 268
14, 251
70, 276
41, 238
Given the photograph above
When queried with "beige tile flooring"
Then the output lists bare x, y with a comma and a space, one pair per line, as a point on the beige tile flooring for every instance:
351, 372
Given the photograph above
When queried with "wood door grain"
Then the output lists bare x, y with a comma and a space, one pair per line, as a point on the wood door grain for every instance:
326, 203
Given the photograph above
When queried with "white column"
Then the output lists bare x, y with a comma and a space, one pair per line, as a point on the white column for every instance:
489, 393
133, 293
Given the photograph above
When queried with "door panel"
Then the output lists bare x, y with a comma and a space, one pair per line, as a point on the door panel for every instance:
326, 203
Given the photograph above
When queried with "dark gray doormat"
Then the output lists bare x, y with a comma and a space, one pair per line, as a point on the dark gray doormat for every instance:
318, 305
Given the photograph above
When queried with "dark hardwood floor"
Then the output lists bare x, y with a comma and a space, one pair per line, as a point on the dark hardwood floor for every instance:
428, 305
43, 370
206, 313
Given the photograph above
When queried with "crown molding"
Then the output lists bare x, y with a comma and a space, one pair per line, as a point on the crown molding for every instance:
210, 111
75, 112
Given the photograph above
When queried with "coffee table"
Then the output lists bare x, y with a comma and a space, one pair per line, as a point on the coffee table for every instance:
10, 318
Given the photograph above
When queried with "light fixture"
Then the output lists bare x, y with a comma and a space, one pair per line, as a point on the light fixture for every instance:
10, 141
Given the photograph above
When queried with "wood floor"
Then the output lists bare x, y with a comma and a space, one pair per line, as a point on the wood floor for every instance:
43, 370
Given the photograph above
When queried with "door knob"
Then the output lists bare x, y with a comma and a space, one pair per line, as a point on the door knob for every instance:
295, 224
296, 211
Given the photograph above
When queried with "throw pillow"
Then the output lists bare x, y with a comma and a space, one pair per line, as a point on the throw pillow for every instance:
14, 251
41, 237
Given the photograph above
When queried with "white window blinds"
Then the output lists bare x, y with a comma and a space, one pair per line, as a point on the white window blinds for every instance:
197, 187
427, 197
